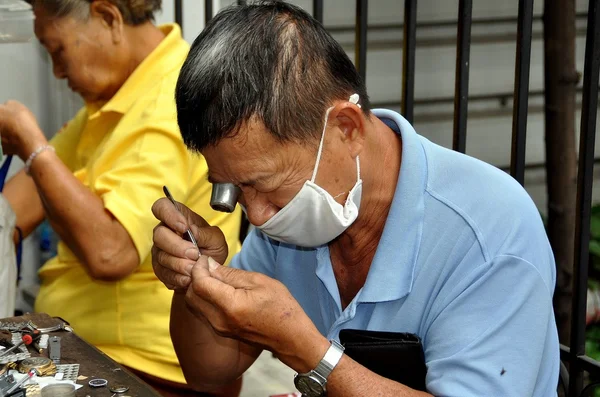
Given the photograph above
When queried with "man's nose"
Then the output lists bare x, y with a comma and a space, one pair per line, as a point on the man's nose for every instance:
259, 210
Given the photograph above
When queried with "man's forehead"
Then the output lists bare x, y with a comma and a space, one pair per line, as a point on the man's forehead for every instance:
241, 157
251, 139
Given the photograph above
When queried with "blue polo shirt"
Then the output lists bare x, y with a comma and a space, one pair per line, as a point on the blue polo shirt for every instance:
463, 262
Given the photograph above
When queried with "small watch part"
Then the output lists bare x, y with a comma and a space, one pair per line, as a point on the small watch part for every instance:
118, 389
98, 382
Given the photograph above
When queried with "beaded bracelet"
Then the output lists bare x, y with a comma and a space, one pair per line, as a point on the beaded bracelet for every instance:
33, 155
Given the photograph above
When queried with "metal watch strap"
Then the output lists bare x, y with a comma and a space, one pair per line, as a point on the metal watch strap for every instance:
331, 358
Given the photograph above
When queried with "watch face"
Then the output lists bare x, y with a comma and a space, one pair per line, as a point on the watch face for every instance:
308, 386
43, 365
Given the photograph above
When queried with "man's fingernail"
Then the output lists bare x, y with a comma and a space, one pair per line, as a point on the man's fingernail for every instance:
181, 227
212, 264
188, 269
192, 254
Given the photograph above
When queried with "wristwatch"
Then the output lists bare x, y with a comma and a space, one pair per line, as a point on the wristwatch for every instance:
44, 366
314, 383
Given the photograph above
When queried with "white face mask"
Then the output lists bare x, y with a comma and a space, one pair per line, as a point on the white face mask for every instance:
313, 217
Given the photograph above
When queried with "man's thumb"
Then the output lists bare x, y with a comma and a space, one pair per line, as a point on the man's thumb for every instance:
235, 277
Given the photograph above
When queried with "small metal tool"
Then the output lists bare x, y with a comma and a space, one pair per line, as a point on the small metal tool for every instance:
188, 235
224, 197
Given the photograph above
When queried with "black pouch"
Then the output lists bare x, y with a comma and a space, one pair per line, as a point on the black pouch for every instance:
393, 355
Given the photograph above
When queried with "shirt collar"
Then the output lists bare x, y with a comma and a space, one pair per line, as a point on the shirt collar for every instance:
152, 68
391, 274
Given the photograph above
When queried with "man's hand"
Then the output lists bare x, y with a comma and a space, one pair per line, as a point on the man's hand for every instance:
20, 132
255, 309
172, 256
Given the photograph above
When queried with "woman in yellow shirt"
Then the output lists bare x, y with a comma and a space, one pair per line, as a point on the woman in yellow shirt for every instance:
96, 180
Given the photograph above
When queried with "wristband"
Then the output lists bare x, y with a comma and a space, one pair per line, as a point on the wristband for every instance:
33, 155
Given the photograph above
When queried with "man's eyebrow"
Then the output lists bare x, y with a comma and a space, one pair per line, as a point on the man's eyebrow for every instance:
212, 180
249, 182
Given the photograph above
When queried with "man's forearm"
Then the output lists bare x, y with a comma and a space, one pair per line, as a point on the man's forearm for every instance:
207, 359
348, 379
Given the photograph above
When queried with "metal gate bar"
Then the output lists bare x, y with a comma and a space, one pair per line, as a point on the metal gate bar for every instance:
360, 46
408, 59
521, 96
461, 83
208, 11
318, 10
179, 13
584, 197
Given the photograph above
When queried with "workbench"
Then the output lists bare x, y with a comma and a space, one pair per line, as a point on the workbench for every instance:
92, 362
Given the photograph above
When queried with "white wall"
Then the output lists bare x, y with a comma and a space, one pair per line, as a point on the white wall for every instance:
24, 77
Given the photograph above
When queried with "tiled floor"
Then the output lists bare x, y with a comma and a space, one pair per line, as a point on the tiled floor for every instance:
266, 377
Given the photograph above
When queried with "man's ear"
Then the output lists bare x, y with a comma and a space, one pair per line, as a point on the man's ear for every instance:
350, 121
110, 17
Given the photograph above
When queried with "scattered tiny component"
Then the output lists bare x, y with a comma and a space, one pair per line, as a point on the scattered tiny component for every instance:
44, 341
54, 349
13, 357
70, 371
98, 382
33, 390
6, 382
35, 336
19, 383
16, 327
58, 327
118, 389
26, 339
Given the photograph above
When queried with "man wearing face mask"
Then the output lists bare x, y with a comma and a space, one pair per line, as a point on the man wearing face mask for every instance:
360, 224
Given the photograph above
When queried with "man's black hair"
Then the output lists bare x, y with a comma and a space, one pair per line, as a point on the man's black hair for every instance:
268, 61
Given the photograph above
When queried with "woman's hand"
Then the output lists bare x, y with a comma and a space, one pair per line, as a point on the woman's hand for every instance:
20, 132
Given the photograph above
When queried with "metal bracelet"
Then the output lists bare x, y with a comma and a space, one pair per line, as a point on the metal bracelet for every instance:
33, 155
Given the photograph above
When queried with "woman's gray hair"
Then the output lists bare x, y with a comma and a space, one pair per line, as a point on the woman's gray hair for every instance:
134, 12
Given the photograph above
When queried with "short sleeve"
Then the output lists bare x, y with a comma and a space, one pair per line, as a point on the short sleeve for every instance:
132, 174
493, 335
258, 254
65, 141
